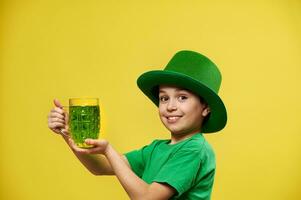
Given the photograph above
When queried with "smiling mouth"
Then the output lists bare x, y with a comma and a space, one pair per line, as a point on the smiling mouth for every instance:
173, 119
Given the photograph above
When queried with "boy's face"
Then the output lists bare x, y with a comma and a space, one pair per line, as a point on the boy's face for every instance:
181, 111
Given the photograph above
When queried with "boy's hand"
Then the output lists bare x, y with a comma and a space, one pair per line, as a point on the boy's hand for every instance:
58, 119
58, 123
99, 146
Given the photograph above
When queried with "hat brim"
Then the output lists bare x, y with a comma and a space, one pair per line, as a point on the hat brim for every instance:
149, 82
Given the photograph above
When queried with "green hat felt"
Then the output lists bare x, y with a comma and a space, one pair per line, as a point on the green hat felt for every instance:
192, 71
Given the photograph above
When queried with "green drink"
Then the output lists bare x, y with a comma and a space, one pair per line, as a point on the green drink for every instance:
84, 120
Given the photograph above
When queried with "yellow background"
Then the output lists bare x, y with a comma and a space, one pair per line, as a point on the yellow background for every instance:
62, 49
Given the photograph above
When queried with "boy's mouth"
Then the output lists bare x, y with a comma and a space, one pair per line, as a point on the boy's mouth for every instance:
172, 119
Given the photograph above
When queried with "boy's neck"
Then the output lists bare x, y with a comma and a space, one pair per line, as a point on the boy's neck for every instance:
175, 138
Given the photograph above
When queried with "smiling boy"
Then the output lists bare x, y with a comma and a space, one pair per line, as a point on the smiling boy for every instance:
181, 111
182, 167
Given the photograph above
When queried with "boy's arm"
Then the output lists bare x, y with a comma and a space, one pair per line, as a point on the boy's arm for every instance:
97, 164
134, 186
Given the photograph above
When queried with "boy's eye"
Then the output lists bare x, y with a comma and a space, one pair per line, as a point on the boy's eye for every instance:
163, 98
182, 98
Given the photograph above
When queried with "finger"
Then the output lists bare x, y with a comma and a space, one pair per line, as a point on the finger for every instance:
58, 131
57, 103
91, 142
56, 125
58, 110
95, 142
93, 150
56, 115
56, 119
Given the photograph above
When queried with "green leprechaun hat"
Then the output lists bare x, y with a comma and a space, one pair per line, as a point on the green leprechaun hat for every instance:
195, 72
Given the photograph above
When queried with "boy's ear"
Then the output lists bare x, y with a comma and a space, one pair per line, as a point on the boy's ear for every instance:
206, 111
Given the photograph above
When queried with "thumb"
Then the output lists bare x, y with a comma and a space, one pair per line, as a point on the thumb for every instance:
91, 141
96, 142
57, 103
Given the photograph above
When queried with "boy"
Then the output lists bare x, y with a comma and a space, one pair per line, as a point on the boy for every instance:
182, 167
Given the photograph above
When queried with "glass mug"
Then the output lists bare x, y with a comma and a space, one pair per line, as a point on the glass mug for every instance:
84, 120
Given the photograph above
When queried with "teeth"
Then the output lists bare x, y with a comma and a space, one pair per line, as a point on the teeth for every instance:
173, 118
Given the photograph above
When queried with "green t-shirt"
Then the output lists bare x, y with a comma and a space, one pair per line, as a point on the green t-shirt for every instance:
188, 166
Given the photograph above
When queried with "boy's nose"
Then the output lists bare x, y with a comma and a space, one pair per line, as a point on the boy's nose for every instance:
171, 106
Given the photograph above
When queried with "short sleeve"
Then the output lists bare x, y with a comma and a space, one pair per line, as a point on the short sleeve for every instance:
180, 171
138, 158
